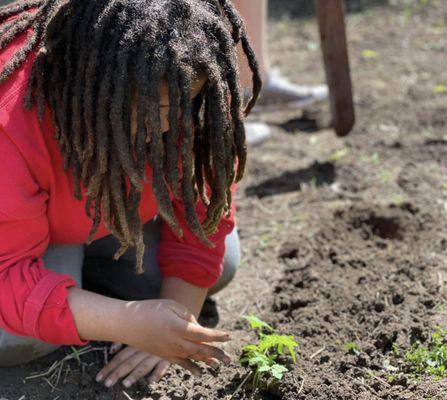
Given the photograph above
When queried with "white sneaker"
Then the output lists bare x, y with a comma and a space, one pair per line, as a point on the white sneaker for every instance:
279, 94
257, 133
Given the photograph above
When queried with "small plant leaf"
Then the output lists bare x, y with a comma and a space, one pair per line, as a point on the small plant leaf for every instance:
264, 368
76, 354
250, 347
277, 371
257, 323
274, 341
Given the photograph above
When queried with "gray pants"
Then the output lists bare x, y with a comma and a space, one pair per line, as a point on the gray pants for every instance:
93, 268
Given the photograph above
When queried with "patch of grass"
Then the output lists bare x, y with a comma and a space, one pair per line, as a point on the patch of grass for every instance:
415, 7
431, 359
422, 360
370, 158
265, 358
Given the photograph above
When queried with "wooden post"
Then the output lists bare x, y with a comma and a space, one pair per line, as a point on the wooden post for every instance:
331, 19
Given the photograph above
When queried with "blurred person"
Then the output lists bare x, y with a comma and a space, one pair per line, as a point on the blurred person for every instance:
278, 92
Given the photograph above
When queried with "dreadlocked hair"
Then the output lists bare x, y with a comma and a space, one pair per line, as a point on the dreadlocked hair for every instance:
99, 62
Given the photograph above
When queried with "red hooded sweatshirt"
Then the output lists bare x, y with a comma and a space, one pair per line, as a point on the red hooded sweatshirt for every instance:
37, 208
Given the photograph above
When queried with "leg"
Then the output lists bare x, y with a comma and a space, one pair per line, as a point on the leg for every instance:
278, 92
254, 13
16, 350
118, 278
231, 262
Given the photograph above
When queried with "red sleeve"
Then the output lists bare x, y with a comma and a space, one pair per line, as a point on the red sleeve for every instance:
33, 300
187, 257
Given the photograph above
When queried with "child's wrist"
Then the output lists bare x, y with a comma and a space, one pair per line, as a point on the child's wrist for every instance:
97, 317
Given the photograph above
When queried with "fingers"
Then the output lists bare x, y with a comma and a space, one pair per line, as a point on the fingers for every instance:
159, 371
190, 366
121, 365
142, 369
119, 358
197, 333
212, 362
206, 353
200, 352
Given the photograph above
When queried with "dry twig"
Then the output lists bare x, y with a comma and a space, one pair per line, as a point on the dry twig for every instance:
318, 352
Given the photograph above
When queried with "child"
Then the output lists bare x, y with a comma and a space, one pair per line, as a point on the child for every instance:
120, 121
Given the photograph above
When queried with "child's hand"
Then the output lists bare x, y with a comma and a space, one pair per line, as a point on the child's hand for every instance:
131, 365
168, 330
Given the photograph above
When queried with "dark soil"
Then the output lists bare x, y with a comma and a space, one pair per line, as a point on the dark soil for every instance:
343, 240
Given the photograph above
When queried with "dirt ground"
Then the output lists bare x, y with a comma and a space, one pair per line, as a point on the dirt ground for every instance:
343, 240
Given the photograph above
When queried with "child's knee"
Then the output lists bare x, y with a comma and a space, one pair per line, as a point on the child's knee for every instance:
232, 257
231, 262
65, 259
16, 350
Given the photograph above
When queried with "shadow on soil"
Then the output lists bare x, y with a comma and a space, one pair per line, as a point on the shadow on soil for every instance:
304, 124
317, 174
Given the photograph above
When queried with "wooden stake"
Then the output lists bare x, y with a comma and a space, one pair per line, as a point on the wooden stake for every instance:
335, 55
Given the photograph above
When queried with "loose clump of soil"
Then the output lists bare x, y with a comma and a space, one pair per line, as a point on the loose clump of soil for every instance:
344, 242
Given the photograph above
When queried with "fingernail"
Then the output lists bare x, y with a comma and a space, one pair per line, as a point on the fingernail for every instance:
108, 383
113, 349
99, 378
127, 383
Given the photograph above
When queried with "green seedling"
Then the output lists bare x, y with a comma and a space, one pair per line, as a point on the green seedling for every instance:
397, 200
373, 158
353, 348
76, 354
385, 176
369, 54
264, 357
339, 154
440, 89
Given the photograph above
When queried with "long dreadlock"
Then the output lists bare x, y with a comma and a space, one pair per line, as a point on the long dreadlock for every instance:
99, 61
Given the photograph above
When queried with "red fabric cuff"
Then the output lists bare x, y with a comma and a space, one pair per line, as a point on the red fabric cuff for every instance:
191, 273
192, 265
38, 304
